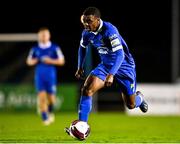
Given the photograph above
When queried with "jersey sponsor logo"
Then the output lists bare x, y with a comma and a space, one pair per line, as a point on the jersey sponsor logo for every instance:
102, 50
115, 42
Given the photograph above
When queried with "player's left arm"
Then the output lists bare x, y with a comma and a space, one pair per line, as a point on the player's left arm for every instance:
60, 60
117, 48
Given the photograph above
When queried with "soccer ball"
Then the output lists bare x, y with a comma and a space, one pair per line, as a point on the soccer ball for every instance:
80, 129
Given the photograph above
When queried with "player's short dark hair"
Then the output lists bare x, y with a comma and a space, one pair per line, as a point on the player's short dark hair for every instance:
92, 11
43, 29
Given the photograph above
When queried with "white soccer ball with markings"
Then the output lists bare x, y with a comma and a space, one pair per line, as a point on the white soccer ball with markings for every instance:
80, 129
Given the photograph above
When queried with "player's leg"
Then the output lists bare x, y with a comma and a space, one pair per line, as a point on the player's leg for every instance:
136, 100
51, 102
90, 87
93, 83
131, 98
42, 98
51, 89
143, 106
42, 101
132, 101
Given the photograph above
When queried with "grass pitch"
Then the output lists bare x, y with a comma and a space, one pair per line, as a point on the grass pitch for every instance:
105, 128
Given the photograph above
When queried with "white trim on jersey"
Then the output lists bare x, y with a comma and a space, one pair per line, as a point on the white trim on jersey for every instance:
117, 48
81, 43
59, 53
44, 46
30, 54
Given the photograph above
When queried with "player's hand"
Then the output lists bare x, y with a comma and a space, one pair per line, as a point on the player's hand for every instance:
46, 60
32, 62
79, 74
109, 80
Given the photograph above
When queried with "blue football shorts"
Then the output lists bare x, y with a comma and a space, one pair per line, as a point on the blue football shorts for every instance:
126, 78
45, 83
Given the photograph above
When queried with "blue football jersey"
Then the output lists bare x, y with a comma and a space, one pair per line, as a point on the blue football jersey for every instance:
53, 51
107, 41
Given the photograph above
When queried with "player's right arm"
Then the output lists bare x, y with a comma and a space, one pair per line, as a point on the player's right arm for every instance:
31, 59
81, 56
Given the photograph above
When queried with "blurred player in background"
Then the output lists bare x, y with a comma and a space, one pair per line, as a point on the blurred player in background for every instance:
116, 62
45, 55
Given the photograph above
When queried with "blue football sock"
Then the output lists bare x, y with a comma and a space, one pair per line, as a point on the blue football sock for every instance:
85, 107
44, 116
138, 100
50, 108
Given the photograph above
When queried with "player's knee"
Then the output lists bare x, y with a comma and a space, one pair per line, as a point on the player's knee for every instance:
42, 99
51, 99
86, 91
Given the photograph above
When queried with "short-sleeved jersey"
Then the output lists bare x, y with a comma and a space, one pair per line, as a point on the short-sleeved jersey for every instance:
53, 51
107, 41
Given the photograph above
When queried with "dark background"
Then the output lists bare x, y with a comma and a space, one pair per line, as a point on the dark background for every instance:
144, 24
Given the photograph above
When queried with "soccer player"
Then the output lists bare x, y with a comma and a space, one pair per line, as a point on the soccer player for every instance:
116, 63
45, 55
